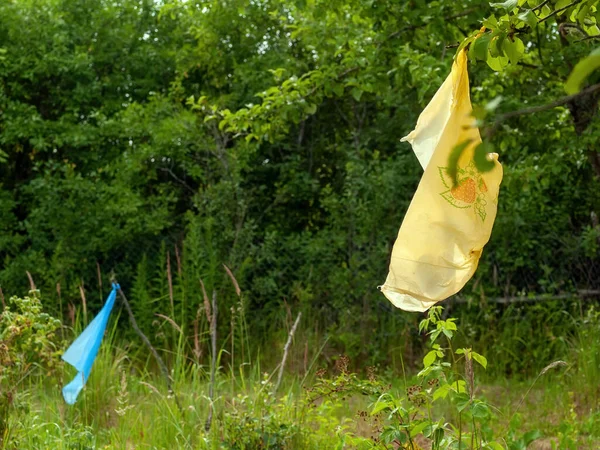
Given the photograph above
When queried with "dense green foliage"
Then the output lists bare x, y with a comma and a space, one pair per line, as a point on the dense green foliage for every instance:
157, 140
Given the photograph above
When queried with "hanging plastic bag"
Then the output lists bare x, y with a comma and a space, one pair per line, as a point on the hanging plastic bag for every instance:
82, 352
446, 226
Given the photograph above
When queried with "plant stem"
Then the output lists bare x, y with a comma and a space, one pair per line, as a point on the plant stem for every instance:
285, 351
407, 415
543, 372
451, 351
460, 430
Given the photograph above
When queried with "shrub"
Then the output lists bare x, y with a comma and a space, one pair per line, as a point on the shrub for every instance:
29, 345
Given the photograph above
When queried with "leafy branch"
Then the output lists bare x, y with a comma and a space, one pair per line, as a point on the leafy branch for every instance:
457, 15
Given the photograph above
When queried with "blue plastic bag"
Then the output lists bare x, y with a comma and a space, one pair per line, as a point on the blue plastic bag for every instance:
82, 353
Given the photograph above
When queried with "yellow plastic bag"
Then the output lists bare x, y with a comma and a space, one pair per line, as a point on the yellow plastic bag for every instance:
445, 228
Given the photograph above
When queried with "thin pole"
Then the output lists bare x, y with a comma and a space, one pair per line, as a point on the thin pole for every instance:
213, 365
285, 351
159, 360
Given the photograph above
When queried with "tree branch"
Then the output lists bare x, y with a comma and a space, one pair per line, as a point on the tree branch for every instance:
176, 178
540, 6
339, 77
562, 28
587, 38
558, 102
556, 11
466, 12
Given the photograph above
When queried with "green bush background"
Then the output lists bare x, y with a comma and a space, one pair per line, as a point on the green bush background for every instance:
156, 141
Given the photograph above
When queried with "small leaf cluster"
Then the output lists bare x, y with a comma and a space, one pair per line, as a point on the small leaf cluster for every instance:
498, 42
29, 344
441, 408
265, 420
28, 339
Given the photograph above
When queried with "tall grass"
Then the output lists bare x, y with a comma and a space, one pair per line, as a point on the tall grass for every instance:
126, 404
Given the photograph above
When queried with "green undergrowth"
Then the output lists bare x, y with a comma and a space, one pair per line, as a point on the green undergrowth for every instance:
454, 400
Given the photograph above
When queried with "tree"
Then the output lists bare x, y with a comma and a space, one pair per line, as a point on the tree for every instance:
266, 135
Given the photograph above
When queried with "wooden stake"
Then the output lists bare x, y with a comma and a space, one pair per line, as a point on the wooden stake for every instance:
159, 360
213, 364
31, 283
285, 351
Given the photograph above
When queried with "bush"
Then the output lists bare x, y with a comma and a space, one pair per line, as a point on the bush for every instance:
29, 345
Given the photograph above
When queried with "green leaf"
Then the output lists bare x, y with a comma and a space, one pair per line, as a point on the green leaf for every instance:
498, 63
450, 325
583, 12
391, 434
310, 109
459, 386
380, 406
480, 410
508, 5
462, 401
497, 48
467, 41
356, 93
453, 158
441, 392
480, 359
435, 334
491, 22
426, 371
582, 70
417, 429
560, 4
338, 89
516, 421
429, 358
480, 157
531, 436
529, 17
514, 49
479, 48
493, 446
